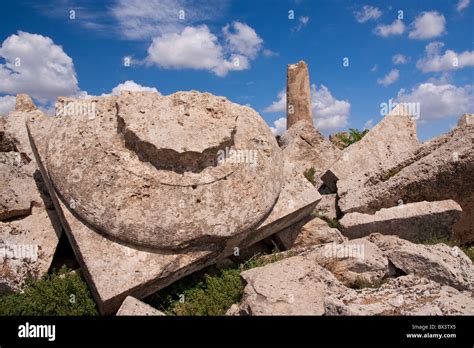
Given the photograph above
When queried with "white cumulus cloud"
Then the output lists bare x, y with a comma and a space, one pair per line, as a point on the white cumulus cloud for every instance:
390, 78
243, 39
462, 4
132, 86
279, 126
328, 112
427, 25
434, 61
367, 13
396, 28
198, 48
399, 58
7, 104
439, 101
36, 66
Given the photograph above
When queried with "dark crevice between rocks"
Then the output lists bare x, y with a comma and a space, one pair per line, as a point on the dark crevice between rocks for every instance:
64, 255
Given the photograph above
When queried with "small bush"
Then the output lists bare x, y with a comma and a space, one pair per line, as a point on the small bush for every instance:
333, 223
61, 293
362, 283
309, 174
205, 294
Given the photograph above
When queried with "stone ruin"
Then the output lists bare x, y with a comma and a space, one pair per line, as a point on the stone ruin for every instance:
151, 188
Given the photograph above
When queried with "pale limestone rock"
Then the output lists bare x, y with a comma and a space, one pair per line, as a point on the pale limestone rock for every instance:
27, 247
298, 94
391, 141
306, 148
440, 169
440, 263
133, 307
406, 295
24, 103
327, 206
466, 119
352, 261
308, 233
414, 221
293, 286
159, 156
125, 269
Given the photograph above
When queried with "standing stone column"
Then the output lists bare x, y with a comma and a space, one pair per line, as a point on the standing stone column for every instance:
298, 94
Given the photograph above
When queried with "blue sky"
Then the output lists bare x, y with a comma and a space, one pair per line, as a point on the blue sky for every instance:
240, 49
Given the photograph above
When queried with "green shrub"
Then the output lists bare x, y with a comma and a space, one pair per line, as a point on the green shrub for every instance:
61, 293
205, 294
309, 174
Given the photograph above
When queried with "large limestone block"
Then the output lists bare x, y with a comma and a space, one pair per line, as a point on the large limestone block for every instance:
441, 169
414, 221
440, 263
133, 307
352, 261
406, 295
298, 94
391, 141
293, 286
115, 269
308, 233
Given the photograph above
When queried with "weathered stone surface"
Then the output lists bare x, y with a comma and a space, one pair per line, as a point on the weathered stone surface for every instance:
116, 269
466, 119
29, 228
440, 263
6, 144
306, 147
24, 103
441, 169
298, 94
352, 261
293, 286
406, 295
327, 206
15, 130
142, 162
132, 306
27, 247
391, 141
308, 233
18, 192
414, 221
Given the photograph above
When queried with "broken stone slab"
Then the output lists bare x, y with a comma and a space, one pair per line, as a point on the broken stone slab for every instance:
353, 262
307, 148
298, 94
115, 269
308, 233
440, 263
414, 221
293, 286
27, 247
440, 169
405, 295
15, 130
133, 307
466, 119
391, 141
18, 192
